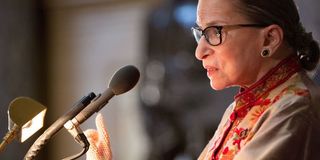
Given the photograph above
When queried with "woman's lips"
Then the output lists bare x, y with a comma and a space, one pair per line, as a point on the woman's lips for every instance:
211, 71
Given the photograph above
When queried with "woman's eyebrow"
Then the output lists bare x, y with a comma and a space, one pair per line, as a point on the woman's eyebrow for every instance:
212, 23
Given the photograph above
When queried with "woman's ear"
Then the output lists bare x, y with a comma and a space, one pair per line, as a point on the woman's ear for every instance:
273, 38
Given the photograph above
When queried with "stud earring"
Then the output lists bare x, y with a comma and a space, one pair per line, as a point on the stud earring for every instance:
265, 53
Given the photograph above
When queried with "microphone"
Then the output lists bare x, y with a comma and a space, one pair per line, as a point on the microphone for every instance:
122, 81
25, 117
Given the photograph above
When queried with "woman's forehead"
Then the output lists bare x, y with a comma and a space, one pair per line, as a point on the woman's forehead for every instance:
211, 12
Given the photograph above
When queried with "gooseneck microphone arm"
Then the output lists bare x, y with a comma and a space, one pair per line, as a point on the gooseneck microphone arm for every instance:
57, 125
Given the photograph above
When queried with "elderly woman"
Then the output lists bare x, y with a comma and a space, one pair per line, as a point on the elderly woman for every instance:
260, 46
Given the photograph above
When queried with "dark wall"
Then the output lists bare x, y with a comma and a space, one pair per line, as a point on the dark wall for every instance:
309, 13
21, 62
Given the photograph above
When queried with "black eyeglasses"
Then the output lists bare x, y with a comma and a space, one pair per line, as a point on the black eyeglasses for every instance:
213, 34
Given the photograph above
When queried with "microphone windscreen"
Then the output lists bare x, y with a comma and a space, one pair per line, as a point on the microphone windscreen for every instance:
124, 79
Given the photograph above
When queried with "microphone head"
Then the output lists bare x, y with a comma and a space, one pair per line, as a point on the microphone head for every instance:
124, 79
25, 115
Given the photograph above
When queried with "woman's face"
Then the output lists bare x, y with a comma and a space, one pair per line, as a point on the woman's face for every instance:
236, 61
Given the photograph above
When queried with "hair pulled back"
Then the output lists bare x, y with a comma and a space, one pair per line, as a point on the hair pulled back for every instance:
285, 14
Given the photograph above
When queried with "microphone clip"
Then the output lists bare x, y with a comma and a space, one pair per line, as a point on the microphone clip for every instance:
73, 128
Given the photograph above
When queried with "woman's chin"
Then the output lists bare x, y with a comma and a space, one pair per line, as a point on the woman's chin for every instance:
217, 86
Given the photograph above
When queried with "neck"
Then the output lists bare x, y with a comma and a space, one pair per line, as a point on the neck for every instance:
267, 63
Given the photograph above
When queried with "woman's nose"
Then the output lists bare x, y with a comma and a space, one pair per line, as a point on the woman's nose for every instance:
203, 49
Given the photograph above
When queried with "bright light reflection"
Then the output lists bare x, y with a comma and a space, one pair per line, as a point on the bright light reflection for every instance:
32, 126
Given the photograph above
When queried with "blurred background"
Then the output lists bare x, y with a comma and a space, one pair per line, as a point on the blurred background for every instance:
57, 51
